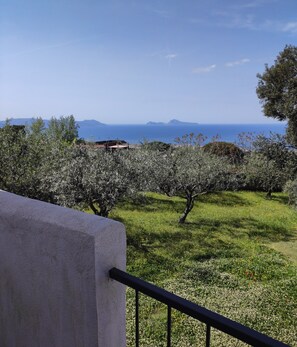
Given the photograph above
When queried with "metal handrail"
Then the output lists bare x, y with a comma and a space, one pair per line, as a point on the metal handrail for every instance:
210, 318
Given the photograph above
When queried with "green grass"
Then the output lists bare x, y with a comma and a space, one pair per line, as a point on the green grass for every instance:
287, 248
234, 255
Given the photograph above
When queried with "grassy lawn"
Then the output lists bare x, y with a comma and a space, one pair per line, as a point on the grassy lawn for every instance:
234, 255
287, 248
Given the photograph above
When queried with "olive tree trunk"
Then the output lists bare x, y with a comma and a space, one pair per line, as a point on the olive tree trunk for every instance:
190, 199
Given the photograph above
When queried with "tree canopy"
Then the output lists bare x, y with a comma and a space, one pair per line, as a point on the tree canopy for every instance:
189, 172
226, 150
63, 129
93, 178
277, 90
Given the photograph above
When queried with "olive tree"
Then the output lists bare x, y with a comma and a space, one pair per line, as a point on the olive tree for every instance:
188, 171
158, 170
28, 157
277, 90
94, 178
13, 163
199, 173
263, 174
23, 151
270, 164
275, 147
291, 189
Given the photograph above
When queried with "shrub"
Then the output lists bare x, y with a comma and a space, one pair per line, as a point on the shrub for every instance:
291, 189
263, 174
156, 146
225, 149
269, 164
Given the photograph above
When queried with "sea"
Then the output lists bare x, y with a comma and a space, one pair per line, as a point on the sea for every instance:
136, 134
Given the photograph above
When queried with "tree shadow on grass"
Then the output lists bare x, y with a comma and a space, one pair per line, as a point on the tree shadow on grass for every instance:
145, 240
151, 266
152, 204
237, 227
223, 199
268, 232
228, 199
282, 199
202, 230
156, 254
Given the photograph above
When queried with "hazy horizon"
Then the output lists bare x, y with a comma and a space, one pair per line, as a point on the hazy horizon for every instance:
269, 121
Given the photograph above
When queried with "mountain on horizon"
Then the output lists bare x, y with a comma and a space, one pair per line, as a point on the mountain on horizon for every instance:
18, 121
171, 122
28, 121
89, 122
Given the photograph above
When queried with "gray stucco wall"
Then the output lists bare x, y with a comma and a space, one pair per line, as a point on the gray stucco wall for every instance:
54, 285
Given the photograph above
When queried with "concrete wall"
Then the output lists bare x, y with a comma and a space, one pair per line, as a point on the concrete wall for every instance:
54, 285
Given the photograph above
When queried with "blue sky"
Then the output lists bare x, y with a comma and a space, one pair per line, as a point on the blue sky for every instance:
133, 61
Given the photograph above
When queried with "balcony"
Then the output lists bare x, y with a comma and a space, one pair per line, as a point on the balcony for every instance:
63, 282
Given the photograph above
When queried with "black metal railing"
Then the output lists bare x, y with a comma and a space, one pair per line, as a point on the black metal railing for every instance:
211, 319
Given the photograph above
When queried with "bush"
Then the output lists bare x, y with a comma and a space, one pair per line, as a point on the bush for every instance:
270, 164
263, 174
156, 146
291, 189
225, 149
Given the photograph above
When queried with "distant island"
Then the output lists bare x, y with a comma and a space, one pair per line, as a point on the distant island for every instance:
172, 122
90, 122
29, 121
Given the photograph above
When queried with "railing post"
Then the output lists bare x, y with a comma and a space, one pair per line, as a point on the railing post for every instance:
136, 318
168, 326
207, 335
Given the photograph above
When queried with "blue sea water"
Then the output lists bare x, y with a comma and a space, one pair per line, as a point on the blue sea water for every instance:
134, 134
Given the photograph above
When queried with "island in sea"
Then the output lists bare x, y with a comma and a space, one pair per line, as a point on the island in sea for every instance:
171, 122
